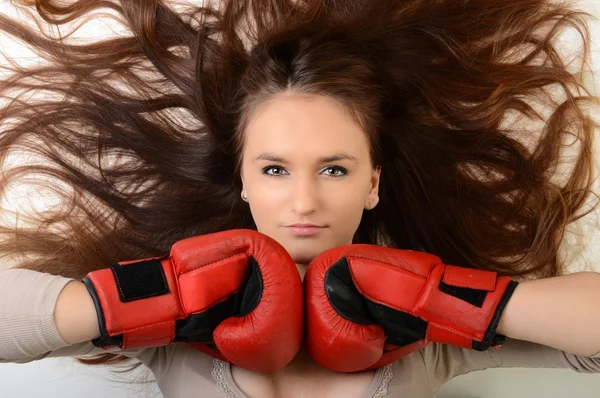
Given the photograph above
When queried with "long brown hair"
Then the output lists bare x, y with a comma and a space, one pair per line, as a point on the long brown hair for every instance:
140, 144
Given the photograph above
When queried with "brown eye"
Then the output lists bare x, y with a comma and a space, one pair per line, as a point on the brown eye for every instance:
336, 171
276, 170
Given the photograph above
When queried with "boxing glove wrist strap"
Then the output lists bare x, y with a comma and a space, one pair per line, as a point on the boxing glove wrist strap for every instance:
482, 296
125, 321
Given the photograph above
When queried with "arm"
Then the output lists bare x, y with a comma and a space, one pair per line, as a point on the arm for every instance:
392, 302
560, 312
75, 314
28, 304
38, 309
442, 362
153, 302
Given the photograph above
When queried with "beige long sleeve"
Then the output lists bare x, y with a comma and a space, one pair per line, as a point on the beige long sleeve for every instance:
28, 330
27, 302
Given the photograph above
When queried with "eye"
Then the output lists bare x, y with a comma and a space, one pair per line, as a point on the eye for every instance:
336, 171
277, 170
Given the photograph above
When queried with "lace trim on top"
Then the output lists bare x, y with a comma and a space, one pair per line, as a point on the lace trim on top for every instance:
385, 374
217, 374
222, 375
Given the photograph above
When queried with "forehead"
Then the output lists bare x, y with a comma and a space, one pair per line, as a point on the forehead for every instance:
303, 125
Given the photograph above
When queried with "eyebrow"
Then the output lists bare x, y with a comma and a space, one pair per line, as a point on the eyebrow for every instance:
333, 158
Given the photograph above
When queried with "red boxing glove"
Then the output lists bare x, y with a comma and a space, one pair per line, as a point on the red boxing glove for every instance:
236, 295
368, 306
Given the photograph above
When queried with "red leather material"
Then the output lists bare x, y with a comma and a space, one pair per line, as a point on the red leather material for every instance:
156, 334
468, 277
270, 336
393, 287
441, 333
395, 353
202, 271
455, 317
406, 281
341, 345
150, 314
331, 340
207, 285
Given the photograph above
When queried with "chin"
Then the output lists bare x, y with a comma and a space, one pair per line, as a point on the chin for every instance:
302, 258
306, 255
304, 251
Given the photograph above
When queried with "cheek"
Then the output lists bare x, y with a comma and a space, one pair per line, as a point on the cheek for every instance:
350, 197
348, 213
260, 213
265, 207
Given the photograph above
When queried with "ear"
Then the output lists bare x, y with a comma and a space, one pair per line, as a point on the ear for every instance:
242, 178
373, 195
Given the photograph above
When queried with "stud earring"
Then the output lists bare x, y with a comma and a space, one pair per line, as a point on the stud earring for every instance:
244, 197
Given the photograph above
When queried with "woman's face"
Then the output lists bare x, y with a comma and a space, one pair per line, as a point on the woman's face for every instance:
305, 161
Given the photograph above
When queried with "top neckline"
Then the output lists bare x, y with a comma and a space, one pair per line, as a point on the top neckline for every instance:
224, 379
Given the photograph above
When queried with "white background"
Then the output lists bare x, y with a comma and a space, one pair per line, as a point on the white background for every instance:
62, 377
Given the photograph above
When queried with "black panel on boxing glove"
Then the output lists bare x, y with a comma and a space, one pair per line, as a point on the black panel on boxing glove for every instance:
198, 328
253, 289
140, 280
472, 296
401, 328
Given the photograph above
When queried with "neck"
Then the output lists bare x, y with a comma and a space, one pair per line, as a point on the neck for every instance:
301, 269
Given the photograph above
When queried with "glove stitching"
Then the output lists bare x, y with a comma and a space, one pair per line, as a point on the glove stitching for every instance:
144, 326
206, 265
400, 261
451, 329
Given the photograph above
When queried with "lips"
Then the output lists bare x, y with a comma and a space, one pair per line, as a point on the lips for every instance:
304, 229
305, 226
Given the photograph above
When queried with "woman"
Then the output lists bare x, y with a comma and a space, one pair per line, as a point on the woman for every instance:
381, 122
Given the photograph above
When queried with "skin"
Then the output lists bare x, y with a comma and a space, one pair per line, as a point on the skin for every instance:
299, 187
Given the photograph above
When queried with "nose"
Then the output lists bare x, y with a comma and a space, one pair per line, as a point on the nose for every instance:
304, 196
